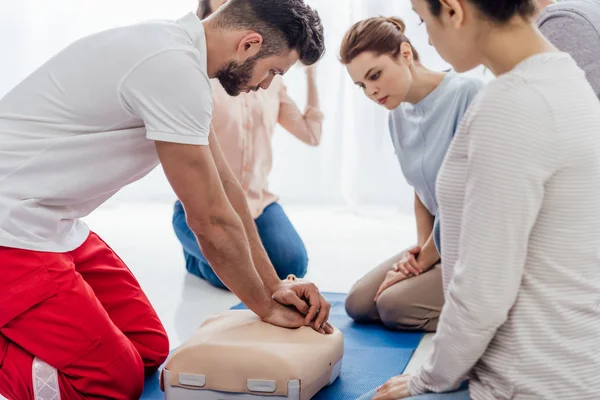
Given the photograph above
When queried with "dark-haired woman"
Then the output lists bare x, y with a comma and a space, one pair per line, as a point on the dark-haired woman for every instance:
518, 194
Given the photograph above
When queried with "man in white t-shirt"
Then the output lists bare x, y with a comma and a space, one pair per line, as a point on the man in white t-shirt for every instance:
102, 114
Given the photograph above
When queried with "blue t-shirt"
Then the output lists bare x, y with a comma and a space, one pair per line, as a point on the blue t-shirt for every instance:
422, 133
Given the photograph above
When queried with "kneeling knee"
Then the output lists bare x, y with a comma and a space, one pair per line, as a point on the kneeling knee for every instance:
129, 375
358, 306
294, 262
399, 313
158, 352
121, 379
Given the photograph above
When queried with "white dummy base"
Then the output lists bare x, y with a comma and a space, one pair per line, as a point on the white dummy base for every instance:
178, 393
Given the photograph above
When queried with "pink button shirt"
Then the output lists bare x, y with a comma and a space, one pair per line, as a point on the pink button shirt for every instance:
245, 125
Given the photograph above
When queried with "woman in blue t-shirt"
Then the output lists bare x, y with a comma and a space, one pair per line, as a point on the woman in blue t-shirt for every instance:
405, 292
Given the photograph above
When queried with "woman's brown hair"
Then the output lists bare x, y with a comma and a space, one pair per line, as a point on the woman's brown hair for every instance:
379, 35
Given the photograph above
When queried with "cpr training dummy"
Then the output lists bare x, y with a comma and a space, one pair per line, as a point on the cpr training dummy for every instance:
235, 355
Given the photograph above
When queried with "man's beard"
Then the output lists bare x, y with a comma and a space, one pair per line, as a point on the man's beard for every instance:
235, 77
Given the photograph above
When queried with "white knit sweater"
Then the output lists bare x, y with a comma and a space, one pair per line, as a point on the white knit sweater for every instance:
519, 197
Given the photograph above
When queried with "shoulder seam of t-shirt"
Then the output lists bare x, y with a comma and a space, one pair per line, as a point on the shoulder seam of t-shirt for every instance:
143, 60
560, 13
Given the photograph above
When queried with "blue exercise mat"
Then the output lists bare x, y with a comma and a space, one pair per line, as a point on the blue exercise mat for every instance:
372, 354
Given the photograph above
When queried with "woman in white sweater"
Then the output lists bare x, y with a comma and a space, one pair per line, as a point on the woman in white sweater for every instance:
519, 199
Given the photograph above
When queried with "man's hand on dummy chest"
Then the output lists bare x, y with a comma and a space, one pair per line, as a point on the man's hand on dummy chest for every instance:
284, 316
306, 298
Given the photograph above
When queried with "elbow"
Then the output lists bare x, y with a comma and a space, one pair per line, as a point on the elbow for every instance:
202, 226
216, 233
230, 185
478, 312
208, 225
314, 138
310, 132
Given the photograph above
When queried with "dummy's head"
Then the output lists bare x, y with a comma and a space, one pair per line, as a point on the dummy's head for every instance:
275, 35
380, 59
458, 28
207, 7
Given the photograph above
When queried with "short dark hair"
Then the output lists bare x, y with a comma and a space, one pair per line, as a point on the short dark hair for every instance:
496, 10
205, 9
283, 24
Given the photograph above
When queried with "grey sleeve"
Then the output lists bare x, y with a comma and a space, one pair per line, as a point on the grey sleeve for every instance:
574, 34
467, 95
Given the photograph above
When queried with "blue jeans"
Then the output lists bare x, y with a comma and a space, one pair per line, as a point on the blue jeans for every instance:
281, 241
461, 394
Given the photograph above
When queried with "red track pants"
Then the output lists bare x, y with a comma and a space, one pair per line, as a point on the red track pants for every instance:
78, 320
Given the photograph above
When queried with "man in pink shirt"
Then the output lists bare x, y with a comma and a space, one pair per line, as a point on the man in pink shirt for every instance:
245, 125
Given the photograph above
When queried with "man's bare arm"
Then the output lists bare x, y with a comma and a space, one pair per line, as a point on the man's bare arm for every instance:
237, 199
303, 295
192, 173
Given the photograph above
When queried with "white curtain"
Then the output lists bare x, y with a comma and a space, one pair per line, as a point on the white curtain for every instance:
355, 164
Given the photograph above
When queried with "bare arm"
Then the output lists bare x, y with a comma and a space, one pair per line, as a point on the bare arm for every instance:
308, 126
424, 221
312, 94
237, 199
191, 172
171, 94
304, 296
428, 255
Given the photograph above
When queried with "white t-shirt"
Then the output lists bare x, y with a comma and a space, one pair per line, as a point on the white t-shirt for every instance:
83, 126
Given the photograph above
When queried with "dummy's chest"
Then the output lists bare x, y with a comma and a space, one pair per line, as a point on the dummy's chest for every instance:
235, 356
